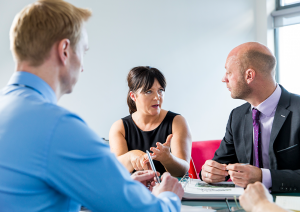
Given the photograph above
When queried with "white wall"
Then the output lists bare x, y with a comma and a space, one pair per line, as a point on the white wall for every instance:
187, 40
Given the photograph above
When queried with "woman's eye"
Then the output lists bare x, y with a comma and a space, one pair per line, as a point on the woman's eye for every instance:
148, 92
161, 90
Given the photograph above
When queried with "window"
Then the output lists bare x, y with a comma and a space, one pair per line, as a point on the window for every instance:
288, 55
287, 43
282, 4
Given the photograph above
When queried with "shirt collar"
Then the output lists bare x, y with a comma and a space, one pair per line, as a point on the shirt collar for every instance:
34, 82
270, 104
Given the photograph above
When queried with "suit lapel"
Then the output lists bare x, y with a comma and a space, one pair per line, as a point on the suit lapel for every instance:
248, 135
279, 118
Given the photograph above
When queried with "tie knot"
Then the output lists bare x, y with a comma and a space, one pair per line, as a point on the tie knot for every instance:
255, 114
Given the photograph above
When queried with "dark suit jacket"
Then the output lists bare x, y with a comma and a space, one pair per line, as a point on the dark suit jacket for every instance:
284, 148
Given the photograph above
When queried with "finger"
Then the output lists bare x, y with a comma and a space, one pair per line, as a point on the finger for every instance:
236, 167
165, 175
206, 175
134, 165
235, 174
155, 150
159, 145
168, 140
139, 173
215, 177
145, 166
214, 170
239, 182
215, 164
152, 154
138, 166
146, 176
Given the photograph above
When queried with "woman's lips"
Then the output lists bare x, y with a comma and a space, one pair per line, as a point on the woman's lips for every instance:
155, 106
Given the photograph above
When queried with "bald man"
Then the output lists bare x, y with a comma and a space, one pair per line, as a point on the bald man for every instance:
261, 143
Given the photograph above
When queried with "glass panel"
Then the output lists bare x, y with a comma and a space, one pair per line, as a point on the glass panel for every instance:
289, 57
288, 2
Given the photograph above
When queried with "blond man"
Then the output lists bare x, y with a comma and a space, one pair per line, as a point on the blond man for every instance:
50, 160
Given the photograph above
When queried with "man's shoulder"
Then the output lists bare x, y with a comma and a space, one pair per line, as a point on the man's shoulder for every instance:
295, 98
33, 109
56, 112
240, 110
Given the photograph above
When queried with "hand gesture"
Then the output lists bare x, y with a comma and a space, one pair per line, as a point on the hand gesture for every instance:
213, 172
162, 151
242, 174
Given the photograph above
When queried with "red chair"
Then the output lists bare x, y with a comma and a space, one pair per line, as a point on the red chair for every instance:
202, 151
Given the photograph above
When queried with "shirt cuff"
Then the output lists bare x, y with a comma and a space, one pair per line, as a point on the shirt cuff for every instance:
266, 178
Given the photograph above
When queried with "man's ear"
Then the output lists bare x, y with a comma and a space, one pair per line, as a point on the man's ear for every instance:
250, 75
132, 96
64, 50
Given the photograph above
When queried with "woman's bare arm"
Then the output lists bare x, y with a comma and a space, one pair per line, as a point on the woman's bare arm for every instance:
118, 145
177, 162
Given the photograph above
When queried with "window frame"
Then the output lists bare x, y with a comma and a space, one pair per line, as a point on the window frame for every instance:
279, 7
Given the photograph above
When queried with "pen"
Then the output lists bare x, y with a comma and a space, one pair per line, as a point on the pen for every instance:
227, 204
152, 165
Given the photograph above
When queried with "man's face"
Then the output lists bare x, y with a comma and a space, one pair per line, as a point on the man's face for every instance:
76, 63
235, 80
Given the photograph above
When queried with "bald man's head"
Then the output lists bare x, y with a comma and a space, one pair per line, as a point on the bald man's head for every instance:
253, 55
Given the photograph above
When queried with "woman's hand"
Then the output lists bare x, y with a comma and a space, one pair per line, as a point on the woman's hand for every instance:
162, 151
139, 160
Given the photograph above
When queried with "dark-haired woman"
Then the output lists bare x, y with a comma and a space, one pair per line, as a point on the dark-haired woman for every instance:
148, 127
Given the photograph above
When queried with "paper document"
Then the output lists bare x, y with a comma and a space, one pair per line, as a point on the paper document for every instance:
287, 202
197, 189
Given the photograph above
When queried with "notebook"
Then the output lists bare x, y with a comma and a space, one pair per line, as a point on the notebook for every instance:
195, 189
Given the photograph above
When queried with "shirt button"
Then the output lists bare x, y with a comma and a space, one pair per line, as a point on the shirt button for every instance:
281, 188
286, 189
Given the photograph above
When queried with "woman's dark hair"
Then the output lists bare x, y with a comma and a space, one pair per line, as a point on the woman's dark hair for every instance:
142, 77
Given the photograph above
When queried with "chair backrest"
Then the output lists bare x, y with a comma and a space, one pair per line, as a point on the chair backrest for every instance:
202, 151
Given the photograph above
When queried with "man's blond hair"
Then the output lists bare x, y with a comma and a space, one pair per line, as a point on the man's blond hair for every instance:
41, 24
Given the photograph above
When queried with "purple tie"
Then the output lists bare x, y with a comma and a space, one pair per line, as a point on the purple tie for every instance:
257, 138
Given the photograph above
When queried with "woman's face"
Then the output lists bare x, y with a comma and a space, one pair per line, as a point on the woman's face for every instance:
150, 101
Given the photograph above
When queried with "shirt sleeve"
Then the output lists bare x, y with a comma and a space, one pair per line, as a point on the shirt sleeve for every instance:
82, 167
266, 178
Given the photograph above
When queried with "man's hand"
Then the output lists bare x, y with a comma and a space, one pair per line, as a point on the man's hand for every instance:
168, 183
242, 175
213, 172
145, 177
256, 198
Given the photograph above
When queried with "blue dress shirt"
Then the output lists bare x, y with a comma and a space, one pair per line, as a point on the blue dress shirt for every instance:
50, 160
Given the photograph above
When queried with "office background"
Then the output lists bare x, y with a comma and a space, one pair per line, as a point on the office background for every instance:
187, 40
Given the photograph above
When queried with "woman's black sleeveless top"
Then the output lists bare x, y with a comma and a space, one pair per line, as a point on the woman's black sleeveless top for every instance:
143, 140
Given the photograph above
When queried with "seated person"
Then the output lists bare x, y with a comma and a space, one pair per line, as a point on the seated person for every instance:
148, 127
50, 160
256, 198
262, 133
